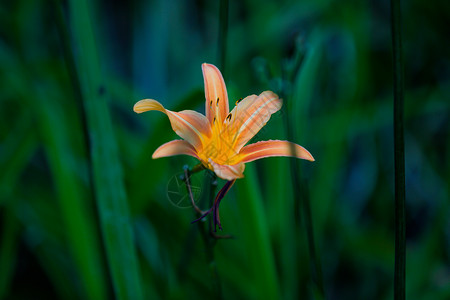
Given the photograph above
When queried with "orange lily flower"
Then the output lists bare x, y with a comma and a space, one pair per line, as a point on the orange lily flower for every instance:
218, 139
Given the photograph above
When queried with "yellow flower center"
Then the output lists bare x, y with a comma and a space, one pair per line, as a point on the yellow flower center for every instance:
220, 148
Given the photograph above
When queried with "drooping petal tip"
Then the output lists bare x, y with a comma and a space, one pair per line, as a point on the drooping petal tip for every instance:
188, 124
228, 172
148, 104
273, 148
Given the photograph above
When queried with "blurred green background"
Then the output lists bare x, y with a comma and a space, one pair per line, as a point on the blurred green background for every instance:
85, 213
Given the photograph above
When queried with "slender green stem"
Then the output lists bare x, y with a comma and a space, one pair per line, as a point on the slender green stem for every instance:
223, 32
211, 238
69, 59
208, 236
399, 154
189, 171
210, 241
260, 260
316, 265
302, 202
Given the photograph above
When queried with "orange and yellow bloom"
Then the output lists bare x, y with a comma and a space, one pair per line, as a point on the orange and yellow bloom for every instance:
219, 139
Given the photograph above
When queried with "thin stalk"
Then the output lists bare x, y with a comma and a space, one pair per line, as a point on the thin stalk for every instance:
187, 181
223, 33
399, 154
210, 241
211, 238
208, 236
260, 255
316, 265
69, 60
301, 200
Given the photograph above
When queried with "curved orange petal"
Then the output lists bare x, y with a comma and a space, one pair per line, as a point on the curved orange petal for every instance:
188, 124
273, 148
240, 113
252, 114
176, 147
215, 94
228, 172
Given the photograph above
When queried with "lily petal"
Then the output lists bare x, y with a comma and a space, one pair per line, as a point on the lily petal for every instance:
240, 113
228, 172
215, 94
253, 114
188, 124
176, 147
273, 148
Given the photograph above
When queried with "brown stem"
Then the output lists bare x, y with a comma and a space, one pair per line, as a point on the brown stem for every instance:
187, 175
201, 213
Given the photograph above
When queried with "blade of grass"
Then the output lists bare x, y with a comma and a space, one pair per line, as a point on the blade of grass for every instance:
45, 240
399, 154
106, 168
255, 236
284, 223
316, 265
296, 109
18, 147
77, 221
159, 269
223, 32
280, 215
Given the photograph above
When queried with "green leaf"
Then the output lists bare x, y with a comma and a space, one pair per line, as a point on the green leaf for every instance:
106, 167
255, 236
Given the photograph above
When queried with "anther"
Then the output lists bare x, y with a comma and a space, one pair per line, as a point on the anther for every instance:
229, 117
217, 103
214, 120
238, 101
210, 103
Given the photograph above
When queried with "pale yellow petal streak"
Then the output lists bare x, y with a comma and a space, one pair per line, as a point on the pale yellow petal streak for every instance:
177, 147
216, 106
190, 125
273, 148
256, 116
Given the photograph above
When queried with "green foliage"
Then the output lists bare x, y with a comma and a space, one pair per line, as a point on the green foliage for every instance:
86, 213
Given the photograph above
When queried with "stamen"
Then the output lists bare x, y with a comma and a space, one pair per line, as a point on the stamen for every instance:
210, 103
217, 102
238, 101
214, 120
229, 117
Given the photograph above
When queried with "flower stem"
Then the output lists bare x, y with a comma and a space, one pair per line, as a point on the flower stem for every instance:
316, 265
187, 175
209, 238
399, 155
223, 32
301, 198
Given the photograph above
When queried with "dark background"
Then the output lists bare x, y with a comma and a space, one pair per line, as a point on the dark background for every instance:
331, 61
